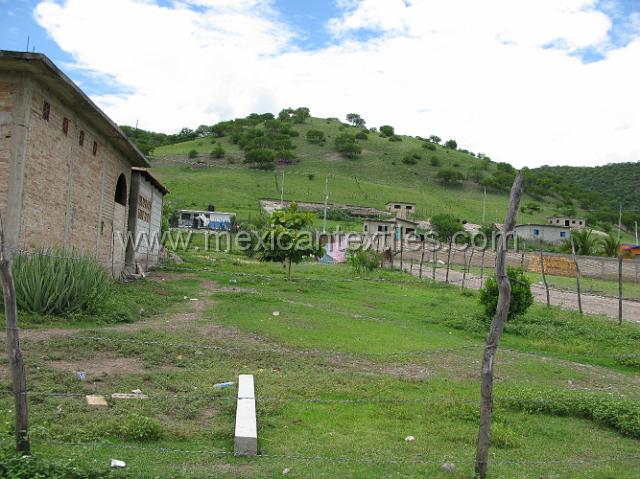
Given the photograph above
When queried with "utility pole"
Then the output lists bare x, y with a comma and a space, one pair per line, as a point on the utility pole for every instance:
484, 206
326, 199
637, 233
619, 222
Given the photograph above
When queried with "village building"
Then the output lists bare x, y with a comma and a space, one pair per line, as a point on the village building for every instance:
575, 223
542, 233
401, 209
145, 220
200, 219
65, 167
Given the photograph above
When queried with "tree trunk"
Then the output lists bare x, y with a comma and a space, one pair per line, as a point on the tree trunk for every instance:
495, 332
446, 278
544, 278
16, 360
289, 271
575, 260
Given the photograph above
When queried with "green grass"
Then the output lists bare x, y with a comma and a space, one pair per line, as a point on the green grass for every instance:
336, 337
376, 177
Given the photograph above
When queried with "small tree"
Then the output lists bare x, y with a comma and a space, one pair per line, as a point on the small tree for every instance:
315, 137
449, 176
610, 246
521, 296
451, 144
193, 154
300, 115
286, 241
261, 158
356, 120
347, 145
435, 139
387, 130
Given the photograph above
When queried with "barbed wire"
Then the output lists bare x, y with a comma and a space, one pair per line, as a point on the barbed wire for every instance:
376, 458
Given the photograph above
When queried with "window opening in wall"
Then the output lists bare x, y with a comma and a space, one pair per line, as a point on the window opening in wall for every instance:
95, 148
65, 126
46, 110
81, 139
120, 196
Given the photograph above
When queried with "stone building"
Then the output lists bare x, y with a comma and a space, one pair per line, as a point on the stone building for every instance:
401, 209
65, 167
569, 222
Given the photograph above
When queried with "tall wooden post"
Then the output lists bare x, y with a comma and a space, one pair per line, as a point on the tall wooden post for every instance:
544, 278
435, 263
422, 259
620, 289
446, 277
495, 332
16, 361
575, 260
484, 251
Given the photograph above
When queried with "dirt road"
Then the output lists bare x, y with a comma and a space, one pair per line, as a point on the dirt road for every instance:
564, 299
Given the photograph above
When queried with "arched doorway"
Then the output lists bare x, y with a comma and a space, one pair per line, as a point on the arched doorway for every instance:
119, 242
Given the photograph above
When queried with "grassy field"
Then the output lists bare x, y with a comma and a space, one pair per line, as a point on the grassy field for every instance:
376, 177
346, 370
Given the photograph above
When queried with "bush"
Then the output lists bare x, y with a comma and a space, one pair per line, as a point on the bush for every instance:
193, 154
338, 215
621, 415
141, 428
449, 176
387, 130
52, 282
521, 297
217, 152
409, 159
28, 467
435, 161
346, 144
429, 146
361, 135
395, 138
261, 158
315, 137
363, 260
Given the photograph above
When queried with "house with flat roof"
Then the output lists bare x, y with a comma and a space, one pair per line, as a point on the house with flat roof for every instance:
65, 166
575, 223
544, 233
401, 209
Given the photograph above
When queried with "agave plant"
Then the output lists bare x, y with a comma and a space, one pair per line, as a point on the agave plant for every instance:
58, 283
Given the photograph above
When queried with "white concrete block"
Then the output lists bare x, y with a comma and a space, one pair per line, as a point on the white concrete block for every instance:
246, 435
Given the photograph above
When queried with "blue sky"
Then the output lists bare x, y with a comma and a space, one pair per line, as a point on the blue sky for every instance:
564, 69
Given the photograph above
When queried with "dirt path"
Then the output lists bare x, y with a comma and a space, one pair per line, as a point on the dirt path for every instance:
564, 299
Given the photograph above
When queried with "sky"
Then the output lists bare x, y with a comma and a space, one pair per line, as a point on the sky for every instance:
529, 82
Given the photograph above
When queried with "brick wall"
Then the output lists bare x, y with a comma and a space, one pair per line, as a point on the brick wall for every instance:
68, 196
7, 93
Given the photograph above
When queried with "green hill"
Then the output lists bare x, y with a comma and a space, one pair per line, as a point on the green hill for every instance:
388, 168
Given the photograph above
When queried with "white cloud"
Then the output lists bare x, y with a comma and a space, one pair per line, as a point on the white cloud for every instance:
475, 71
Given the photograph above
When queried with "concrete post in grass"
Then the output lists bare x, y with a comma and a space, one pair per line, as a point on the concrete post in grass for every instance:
246, 435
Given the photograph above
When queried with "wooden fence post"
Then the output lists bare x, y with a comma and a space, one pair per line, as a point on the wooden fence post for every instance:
421, 260
16, 360
435, 263
484, 251
620, 289
544, 278
446, 278
495, 332
575, 260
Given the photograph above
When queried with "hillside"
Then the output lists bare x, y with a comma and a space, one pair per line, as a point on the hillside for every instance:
388, 168
610, 186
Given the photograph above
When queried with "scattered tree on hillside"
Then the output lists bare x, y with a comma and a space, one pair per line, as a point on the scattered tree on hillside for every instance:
387, 131
286, 241
302, 114
347, 145
435, 139
449, 176
260, 158
451, 144
362, 135
356, 120
315, 136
